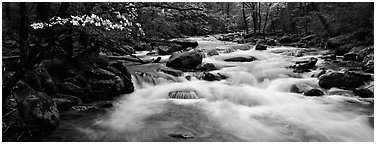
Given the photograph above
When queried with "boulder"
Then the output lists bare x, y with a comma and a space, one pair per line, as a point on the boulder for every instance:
318, 73
40, 110
211, 77
62, 104
307, 64
169, 49
350, 56
285, 39
340, 80
306, 89
314, 92
170, 71
207, 67
185, 60
368, 63
363, 92
260, 47
241, 59
185, 43
364, 52
212, 52
70, 88
40, 80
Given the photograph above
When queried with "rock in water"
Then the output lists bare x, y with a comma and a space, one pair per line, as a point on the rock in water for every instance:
185, 43
285, 39
340, 80
39, 109
311, 63
364, 93
185, 60
349, 56
212, 52
241, 59
260, 47
313, 92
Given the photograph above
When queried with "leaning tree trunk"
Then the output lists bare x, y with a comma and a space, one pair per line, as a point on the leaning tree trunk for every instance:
325, 24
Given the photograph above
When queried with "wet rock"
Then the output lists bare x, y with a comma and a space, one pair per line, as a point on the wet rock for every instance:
285, 39
329, 56
104, 104
340, 80
349, 56
207, 67
102, 61
99, 73
169, 49
62, 104
212, 52
211, 77
260, 47
185, 60
368, 63
240, 59
313, 92
318, 73
365, 76
181, 135
364, 52
74, 99
363, 92
311, 63
185, 42
170, 71
39, 109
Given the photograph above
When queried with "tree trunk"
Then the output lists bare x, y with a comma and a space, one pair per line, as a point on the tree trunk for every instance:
245, 20
326, 25
254, 17
266, 18
259, 17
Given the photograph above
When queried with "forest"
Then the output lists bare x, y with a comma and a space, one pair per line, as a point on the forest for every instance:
62, 59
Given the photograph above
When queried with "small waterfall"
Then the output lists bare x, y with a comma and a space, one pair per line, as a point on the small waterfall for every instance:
190, 94
143, 80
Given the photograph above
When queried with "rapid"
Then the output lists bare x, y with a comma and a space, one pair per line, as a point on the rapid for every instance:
253, 104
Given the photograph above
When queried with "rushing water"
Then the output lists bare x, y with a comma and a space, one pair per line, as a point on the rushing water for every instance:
253, 104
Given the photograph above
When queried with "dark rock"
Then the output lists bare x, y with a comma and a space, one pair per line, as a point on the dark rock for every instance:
102, 61
211, 77
181, 135
329, 56
368, 63
62, 104
169, 49
39, 109
313, 92
99, 73
70, 88
364, 93
311, 63
142, 47
185, 60
207, 67
74, 99
364, 76
212, 52
104, 104
340, 80
40, 80
349, 56
364, 52
271, 42
300, 70
285, 39
240, 59
309, 37
185, 43
260, 47
337, 41
318, 73
170, 71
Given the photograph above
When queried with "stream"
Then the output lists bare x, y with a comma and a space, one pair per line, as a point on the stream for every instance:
253, 104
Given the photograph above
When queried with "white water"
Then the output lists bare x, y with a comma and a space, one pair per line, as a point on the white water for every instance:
253, 104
